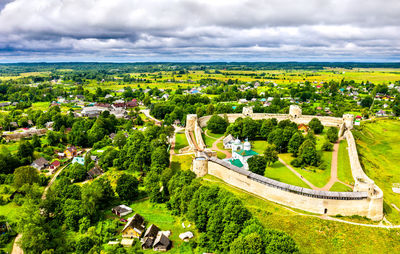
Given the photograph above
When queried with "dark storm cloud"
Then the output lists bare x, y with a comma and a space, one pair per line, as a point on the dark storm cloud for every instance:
190, 30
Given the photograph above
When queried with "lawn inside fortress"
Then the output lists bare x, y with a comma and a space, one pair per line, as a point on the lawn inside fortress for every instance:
366, 199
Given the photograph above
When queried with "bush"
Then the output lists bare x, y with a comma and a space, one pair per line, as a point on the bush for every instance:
327, 146
296, 162
332, 134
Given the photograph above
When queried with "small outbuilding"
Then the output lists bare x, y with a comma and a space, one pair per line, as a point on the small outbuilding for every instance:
121, 210
186, 236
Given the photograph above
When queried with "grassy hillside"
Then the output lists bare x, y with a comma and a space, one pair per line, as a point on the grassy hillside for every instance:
378, 144
313, 234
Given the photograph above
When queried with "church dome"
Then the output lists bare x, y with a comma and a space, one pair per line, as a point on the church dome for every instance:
237, 142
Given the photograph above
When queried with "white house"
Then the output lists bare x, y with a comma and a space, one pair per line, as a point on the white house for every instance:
228, 141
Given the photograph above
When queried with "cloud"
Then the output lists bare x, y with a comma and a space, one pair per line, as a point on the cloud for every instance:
192, 30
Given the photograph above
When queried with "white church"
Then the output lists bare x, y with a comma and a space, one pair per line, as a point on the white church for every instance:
241, 152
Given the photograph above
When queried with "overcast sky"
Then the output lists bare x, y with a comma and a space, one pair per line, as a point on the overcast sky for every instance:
199, 30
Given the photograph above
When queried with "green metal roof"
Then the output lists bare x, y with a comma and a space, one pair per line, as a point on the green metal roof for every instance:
246, 152
236, 163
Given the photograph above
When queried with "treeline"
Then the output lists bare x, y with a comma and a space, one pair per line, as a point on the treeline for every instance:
225, 225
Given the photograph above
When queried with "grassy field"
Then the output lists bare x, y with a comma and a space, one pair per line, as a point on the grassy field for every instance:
259, 146
340, 187
281, 173
316, 176
182, 162
378, 144
180, 141
315, 235
159, 215
344, 169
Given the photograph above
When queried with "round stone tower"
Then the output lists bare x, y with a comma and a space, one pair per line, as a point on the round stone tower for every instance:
200, 166
295, 111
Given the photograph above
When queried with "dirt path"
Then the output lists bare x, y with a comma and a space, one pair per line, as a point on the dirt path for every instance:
299, 175
333, 179
215, 148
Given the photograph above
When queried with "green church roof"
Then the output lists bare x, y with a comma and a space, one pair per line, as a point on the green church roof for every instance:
246, 152
236, 163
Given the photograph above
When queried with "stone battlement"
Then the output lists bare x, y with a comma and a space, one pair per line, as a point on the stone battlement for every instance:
365, 200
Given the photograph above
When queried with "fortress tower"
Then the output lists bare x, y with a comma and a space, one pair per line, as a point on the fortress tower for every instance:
348, 120
247, 111
200, 165
295, 111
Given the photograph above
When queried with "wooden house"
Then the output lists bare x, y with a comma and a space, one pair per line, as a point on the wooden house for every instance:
149, 236
134, 228
70, 152
161, 243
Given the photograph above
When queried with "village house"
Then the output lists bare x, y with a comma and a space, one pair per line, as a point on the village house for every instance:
121, 210
40, 163
302, 128
54, 165
134, 228
94, 172
149, 237
161, 243
70, 152
79, 160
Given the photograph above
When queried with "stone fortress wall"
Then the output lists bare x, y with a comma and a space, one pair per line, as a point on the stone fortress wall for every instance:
365, 200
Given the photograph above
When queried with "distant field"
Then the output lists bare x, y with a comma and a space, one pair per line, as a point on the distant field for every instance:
378, 144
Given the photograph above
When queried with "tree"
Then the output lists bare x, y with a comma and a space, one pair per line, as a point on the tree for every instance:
77, 172
83, 245
367, 102
332, 134
127, 187
160, 158
308, 154
25, 152
257, 164
316, 125
295, 143
25, 175
270, 154
36, 141
217, 124
120, 140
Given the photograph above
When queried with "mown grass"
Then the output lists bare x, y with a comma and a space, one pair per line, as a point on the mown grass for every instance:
344, 169
340, 187
316, 176
313, 234
280, 172
378, 145
259, 146
180, 141
159, 215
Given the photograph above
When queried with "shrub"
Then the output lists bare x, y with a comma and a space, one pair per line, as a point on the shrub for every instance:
327, 146
296, 162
